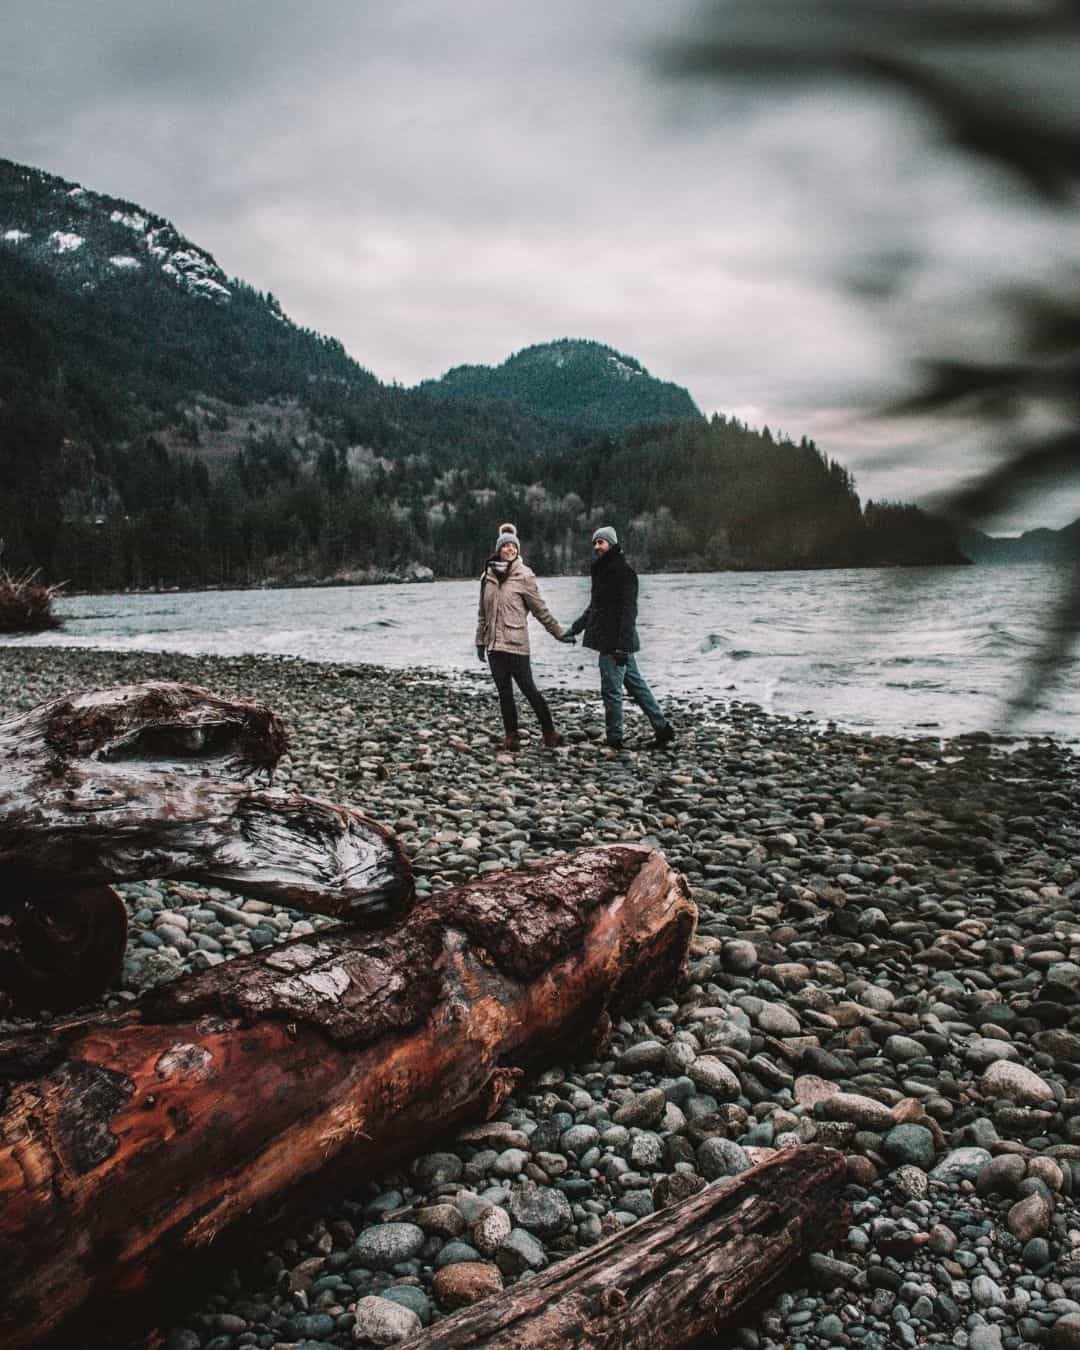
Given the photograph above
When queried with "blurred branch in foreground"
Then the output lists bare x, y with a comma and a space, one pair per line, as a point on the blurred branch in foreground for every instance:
999, 83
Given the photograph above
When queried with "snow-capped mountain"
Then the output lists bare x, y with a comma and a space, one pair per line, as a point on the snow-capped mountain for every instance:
87, 236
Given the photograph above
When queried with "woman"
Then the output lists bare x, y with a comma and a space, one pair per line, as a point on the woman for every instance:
508, 594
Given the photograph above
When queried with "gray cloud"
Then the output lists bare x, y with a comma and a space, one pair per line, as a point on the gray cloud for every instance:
436, 185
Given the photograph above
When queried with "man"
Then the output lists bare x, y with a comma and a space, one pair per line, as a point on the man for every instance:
609, 624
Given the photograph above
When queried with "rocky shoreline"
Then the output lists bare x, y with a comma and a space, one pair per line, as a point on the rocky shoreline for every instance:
887, 961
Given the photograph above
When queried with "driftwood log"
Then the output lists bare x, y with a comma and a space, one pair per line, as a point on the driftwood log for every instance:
152, 780
129, 1142
61, 951
683, 1273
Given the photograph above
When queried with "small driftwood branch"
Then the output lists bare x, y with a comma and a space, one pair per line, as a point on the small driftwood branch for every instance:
129, 1143
683, 1273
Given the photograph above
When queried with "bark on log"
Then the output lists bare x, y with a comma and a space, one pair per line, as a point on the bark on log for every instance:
128, 1143
687, 1271
140, 781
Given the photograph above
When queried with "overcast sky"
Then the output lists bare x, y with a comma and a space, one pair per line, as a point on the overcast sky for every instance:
437, 184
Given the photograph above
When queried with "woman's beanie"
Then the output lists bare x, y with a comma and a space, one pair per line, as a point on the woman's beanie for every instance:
507, 535
606, 532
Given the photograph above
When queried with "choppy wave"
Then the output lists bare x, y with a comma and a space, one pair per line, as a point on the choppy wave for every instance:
839, 646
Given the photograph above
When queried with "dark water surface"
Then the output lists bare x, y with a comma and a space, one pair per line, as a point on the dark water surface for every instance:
923, 650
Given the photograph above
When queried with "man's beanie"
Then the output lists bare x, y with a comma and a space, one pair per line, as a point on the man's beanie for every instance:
606, 532
507, 535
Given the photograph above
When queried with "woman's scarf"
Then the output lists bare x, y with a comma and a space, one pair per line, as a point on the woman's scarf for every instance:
499, 568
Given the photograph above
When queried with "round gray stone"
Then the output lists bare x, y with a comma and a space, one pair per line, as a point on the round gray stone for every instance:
777, 1020
541, 1210
961, 1164
909, 1145
382, 1321
721, 1158
387, 1244
714, 1076
519, 1251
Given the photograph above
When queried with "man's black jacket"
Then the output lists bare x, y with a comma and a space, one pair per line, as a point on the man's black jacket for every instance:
610, 622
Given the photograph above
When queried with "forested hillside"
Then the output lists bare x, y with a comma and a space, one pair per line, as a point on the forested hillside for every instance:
162, 424
583, 384
1033, 546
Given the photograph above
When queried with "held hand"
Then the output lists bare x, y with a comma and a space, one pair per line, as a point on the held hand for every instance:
620, 658
569, 638
481, 653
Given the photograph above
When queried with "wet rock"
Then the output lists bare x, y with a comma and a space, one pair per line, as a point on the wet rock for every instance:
644, 1110
1017, 1083
388, 1244
380, 1321
863, 1112
543, 1211
960, 1164
491, 1229
714, 1076
458, 1286
721, 1158
1001, 1175
909, 1144
1030, 1217
644, 1056
519, 1251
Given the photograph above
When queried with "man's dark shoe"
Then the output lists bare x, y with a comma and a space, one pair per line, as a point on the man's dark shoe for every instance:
664, 736
613, 745
552, 740
510, 743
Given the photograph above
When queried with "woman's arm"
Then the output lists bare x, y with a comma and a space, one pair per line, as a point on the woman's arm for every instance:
534, 602
481, 619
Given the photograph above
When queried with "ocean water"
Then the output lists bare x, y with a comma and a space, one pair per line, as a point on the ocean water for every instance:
927, 651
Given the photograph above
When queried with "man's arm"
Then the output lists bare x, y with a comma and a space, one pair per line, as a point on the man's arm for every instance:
581, 622
628, 592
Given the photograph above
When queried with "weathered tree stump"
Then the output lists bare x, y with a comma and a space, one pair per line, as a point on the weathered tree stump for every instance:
150, 780
683, 1273
128, 1143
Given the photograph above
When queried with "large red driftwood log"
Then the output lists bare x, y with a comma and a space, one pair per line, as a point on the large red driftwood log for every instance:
128, 1143
686, 1272
148, 780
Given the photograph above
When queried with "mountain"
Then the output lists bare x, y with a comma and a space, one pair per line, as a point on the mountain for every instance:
104, 288
86, 236
162, 423
580, 383
1042, 545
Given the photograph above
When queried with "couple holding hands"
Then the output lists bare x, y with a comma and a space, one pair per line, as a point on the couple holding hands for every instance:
509, 594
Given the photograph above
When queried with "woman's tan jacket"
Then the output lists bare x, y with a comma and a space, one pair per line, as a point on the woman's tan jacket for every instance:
503, 623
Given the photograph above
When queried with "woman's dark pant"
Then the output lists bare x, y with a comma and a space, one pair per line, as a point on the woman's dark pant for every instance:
508, 669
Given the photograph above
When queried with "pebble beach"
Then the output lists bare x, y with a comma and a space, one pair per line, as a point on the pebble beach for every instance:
887, 962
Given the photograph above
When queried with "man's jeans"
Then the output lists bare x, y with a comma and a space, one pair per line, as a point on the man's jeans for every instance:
612, 679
